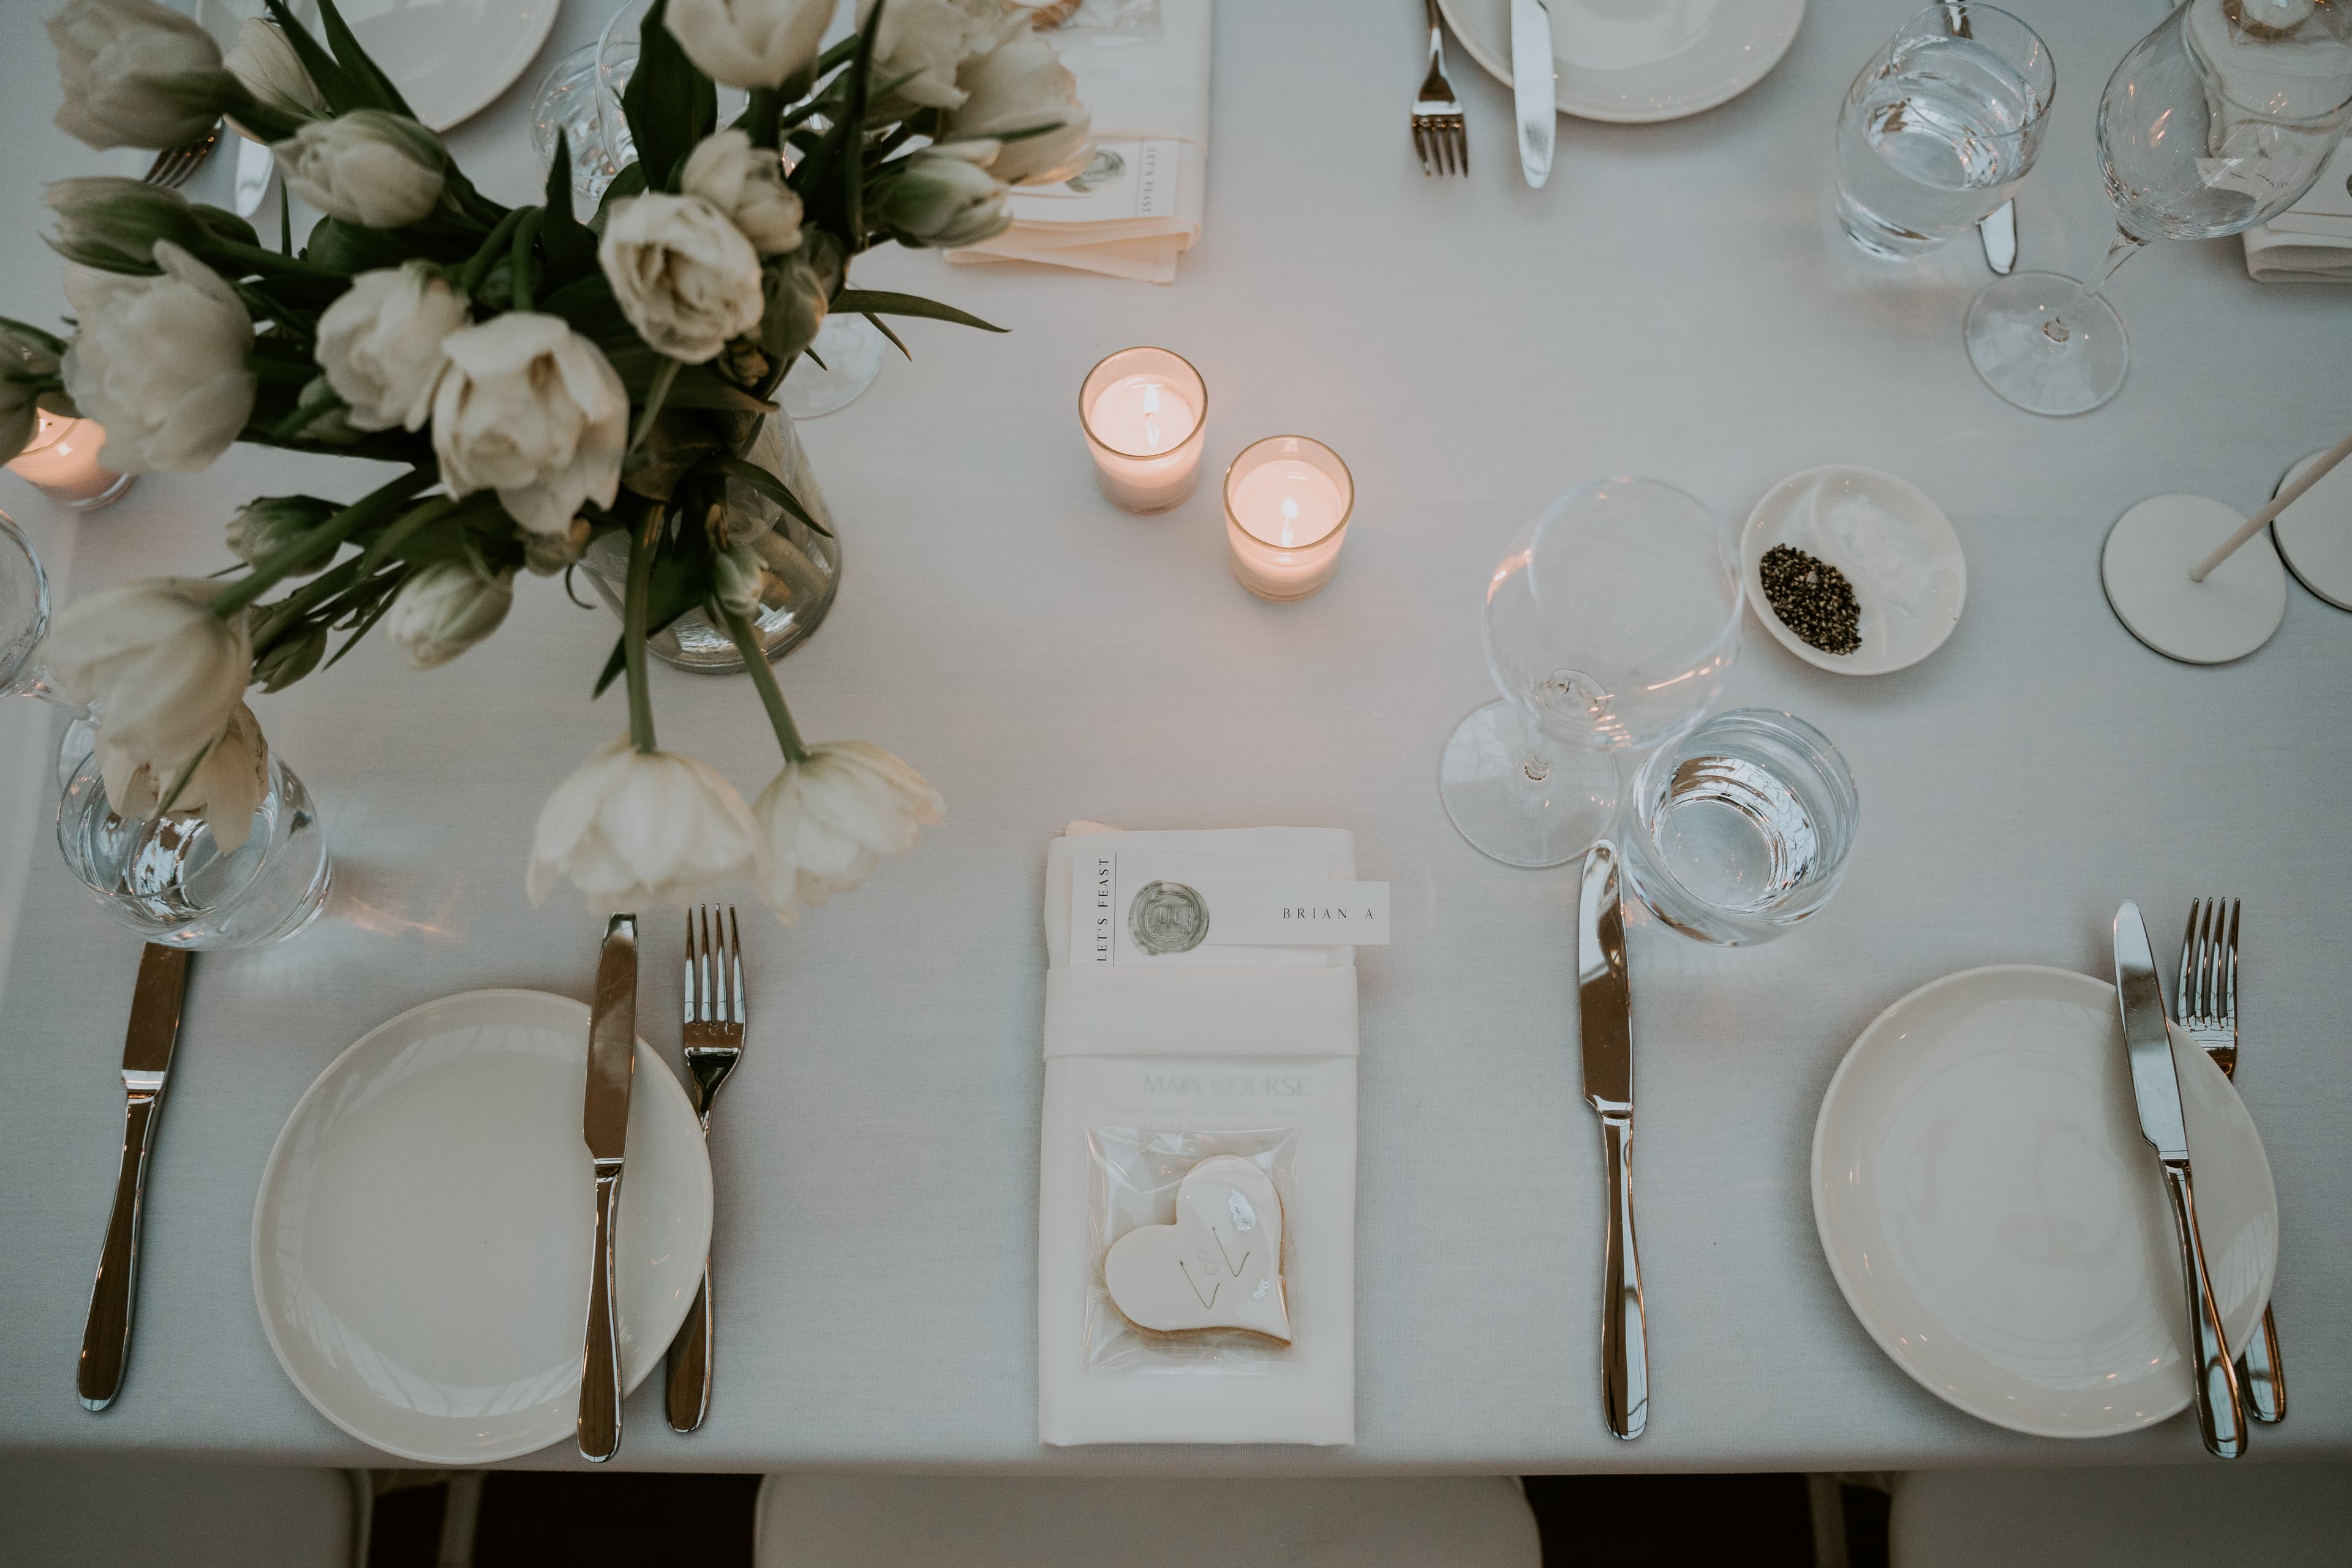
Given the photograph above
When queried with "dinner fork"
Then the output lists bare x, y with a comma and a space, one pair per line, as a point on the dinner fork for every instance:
2207, 1007
172, 165
1437, 130
713, 1045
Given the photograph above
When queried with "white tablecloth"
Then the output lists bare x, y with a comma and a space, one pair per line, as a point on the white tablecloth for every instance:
1675, 303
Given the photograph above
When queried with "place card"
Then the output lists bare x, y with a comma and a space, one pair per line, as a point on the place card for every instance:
1217, 911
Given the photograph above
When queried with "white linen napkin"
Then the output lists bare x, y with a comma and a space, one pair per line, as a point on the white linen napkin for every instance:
1200, 1050
2310, 242
1142, 201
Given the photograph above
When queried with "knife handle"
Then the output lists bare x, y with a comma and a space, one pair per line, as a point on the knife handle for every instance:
1624, 1333
2221, 1413
2261, 1372
600, 1373
686, 1398
106, 1335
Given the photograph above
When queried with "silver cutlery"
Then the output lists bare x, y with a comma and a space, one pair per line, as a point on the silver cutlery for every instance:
254, 164
172, 165
2155, 1088
1605, 1035
604, 1123
713, 1045
1998, 231
2207, 1005
1534, 95
147, 1048
1438, 134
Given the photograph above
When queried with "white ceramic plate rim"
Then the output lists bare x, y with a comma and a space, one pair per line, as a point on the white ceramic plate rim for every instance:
512, 66
1499, 67
1947, 538
1830, 1253
655, 1344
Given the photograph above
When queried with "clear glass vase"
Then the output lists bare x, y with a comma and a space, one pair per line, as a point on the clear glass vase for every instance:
800, 568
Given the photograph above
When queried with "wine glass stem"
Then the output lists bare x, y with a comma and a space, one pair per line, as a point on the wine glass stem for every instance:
2120, 250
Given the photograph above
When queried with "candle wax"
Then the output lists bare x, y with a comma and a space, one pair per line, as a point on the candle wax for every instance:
1287, 503
1142, 416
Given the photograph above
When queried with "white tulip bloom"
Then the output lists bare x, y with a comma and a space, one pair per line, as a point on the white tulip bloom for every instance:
945, 196
445, 608
685, 277
632, 828
749, 43
135, 74
163, 363
530, 409
923, 41
1023, 85
380, 345
270, 69
226, 788
370, 167
825, 824
164, 672
746, 184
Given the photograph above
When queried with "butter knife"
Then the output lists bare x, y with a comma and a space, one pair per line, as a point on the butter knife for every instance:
1605, 1032
146, 1067
1532, 89
254, 164
2156, 1089
611, 1062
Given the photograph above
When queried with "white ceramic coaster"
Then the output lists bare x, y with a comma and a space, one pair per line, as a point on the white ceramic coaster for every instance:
1218, 1266
2315, 534
2145, 566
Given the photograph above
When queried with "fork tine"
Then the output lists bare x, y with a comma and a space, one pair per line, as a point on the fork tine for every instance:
735, 962
687, 1005
2229, 975
1421, 144
1462, 147
2183, 997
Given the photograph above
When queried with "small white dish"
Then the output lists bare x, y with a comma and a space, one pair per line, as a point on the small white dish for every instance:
1910, 583
2315, 535
1997, 1222
450, 59
1639, 60
421, 1244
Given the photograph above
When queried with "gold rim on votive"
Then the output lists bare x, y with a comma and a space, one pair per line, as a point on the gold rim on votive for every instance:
1227, 492
1200, 425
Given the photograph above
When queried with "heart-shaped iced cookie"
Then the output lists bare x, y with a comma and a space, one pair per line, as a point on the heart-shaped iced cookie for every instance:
1218, 1266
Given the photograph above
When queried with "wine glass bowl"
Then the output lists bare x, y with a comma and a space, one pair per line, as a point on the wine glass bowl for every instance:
1610, 623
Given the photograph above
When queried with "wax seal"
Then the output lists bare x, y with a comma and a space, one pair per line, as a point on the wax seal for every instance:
1168, 916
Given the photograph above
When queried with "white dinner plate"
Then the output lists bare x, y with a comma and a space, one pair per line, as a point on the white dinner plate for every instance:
450, 59
1640, 59
1999, 1225
421, 1243
1910, 585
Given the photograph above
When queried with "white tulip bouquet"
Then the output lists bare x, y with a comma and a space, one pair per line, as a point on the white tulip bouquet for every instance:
540, 381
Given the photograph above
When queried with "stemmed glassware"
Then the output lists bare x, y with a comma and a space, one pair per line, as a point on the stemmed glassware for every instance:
23, 622
2218, 119
1610, 623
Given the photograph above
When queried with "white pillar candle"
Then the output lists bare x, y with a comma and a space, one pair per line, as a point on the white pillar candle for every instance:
1143, 411
1287, 504
63, 461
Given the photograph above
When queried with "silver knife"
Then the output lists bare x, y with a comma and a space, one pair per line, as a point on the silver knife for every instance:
611, 1062
1997, 230
146, 1065
1532, 88
1605, 1031
254, 164
2155, 1087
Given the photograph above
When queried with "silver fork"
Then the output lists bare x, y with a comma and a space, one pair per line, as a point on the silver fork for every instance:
172, 165
2207, 1005
713, 1045
1437, 130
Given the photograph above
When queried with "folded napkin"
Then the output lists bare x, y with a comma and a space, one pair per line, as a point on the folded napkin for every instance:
1261, 1058
2310, 242
1140, 204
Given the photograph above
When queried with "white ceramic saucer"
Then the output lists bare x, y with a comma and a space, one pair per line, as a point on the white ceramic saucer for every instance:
421, 1243
2315, 534
451, 58
1902, 621
1999, 1225
1640, 59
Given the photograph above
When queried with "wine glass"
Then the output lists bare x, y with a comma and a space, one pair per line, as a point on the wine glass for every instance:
2218, 119
24, 621
1610, 623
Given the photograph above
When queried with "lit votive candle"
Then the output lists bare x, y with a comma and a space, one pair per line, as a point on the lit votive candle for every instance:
1287, 504
1143, 410
63, 461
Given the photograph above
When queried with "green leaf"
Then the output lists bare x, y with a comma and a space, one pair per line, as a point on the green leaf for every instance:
670, 105
883, 302
767, 485
333, 83
565, 243
680, 581
834, 176
366, 74
895, 341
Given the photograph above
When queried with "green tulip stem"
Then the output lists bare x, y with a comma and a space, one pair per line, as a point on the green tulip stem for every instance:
479, 267
764, 113
656, 395
763, 678
289, 611
334, 531
525, 232
632, 631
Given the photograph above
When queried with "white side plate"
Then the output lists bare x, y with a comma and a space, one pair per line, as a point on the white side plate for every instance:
1640, 59
450, 59
1999, 1225
421, 1243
